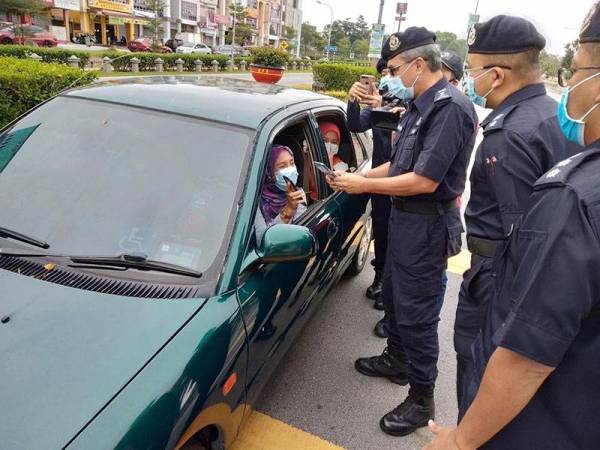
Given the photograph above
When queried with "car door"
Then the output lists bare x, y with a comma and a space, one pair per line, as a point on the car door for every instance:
354, 209
274, 297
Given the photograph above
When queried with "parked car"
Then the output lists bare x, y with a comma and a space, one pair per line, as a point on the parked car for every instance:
27, 34
229, 49
173, 43
145, 45
138, 306
190, 47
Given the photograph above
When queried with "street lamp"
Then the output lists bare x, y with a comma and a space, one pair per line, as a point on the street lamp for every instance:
330, 24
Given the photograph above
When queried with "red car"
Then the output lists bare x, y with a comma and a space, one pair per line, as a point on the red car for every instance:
27, 34
145, 45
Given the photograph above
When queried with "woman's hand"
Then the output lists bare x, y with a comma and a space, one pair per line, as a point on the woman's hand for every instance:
295, 198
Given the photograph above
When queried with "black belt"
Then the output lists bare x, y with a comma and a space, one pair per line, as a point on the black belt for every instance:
483, 247
424, 207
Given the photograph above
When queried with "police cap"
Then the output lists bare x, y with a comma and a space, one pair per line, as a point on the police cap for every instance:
590, 29
408, 39
381, 65
454, 63
503, 35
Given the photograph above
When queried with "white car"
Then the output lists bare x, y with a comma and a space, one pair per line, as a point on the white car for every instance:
190, 47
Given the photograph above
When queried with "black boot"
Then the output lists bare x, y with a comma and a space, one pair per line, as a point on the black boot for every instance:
390, 364
380, 330
378, 305
374, 291
413, 413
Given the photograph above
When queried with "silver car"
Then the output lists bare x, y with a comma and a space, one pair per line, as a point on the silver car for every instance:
190, 47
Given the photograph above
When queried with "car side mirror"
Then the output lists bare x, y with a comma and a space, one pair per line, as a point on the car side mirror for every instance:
282, 243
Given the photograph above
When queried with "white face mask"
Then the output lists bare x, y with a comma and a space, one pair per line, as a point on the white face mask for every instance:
332, 148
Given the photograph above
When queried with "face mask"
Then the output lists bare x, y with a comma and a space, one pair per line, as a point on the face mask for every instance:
290, 172
397, 88
385, 81
573, 129
332, 148
470, 90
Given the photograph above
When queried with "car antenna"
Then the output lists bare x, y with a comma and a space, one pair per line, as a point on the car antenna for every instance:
85, 74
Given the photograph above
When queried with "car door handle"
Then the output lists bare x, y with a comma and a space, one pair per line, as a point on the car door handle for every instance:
332, 228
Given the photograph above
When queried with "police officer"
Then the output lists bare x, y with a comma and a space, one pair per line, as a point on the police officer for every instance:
521, 141
541, 387
358, 122
452, 67
427, 172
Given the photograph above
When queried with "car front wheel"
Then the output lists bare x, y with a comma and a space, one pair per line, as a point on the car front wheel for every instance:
362, 252
7, 41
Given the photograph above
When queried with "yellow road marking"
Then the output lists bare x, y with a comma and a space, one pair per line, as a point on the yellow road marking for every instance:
459, 263
262, 432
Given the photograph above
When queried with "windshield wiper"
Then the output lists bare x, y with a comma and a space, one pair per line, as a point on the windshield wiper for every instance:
6, 233
134, 261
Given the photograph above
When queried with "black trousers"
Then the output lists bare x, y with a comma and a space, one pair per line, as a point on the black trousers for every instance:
381, 217
476, 292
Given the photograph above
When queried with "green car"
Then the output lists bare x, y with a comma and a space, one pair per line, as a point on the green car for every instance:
138, 310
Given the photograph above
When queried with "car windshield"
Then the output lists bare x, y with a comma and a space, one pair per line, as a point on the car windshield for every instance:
187, 44
94, 178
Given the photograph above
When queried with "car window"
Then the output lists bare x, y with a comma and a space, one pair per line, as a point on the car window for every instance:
94, 178
346, 149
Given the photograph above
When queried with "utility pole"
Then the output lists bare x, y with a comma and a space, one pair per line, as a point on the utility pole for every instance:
381, 4
234, 24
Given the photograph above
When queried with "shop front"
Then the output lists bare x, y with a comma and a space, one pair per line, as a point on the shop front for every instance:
112, 21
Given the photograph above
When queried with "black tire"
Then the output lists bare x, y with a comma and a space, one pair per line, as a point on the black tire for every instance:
362, 252
47, 44
7, 41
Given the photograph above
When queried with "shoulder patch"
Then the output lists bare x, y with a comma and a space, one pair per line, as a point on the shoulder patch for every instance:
496, 122
560, 173
442, 94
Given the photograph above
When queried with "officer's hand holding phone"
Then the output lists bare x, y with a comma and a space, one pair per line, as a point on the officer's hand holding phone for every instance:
352, 183
357, 92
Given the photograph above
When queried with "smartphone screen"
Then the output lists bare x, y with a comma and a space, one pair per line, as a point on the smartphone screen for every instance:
323, 168
368, 81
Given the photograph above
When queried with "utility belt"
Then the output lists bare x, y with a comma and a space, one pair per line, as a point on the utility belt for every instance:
484, 247
428, 208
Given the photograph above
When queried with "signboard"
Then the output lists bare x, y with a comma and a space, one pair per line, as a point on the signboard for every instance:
331, 49
473, 19
376, 42
401, 8
68, 4
111, 6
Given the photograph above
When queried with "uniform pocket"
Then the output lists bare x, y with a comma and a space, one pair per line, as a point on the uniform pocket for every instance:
405, 161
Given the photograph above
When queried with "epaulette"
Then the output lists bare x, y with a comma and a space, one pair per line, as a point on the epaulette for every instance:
442, 94
560, 173
497, 122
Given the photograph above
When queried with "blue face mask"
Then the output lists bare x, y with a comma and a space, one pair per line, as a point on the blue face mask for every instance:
385, 81
290, 172
573, 129
397, 88
469, 82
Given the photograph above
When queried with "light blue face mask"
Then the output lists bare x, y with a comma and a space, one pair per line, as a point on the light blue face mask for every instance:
385, 81
573, 129
469, 81
397, 88
290, 172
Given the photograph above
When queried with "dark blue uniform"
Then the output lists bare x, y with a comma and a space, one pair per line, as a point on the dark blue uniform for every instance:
435, 139
549, 311
358, 122
522, 140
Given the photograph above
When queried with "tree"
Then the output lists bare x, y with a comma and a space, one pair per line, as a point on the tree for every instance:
243, 31
549, 64
449, 42
361, 48
157, 7
290, 32
570, 50
22, 7
311, 41
349, 29
343, 47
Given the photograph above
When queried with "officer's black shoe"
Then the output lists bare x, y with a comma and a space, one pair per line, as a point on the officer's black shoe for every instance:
380, 330
413, 413
374, 291
378, 305
386, 365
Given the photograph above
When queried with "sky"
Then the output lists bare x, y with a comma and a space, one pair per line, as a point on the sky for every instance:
558, 21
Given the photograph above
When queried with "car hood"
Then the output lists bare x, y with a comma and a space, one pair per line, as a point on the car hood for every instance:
66, 352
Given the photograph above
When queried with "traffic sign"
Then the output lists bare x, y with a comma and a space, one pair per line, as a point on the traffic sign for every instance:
283, 45
331, 48
401, 8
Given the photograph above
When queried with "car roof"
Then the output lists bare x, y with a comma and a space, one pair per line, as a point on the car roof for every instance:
228, 100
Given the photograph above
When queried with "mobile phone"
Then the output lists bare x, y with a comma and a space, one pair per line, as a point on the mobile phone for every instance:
323, 168
287, 180
368, 81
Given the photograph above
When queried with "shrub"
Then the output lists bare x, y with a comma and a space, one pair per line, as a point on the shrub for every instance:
121, 61
340, 95
24, 84
269, 56
339, 77
55, 55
